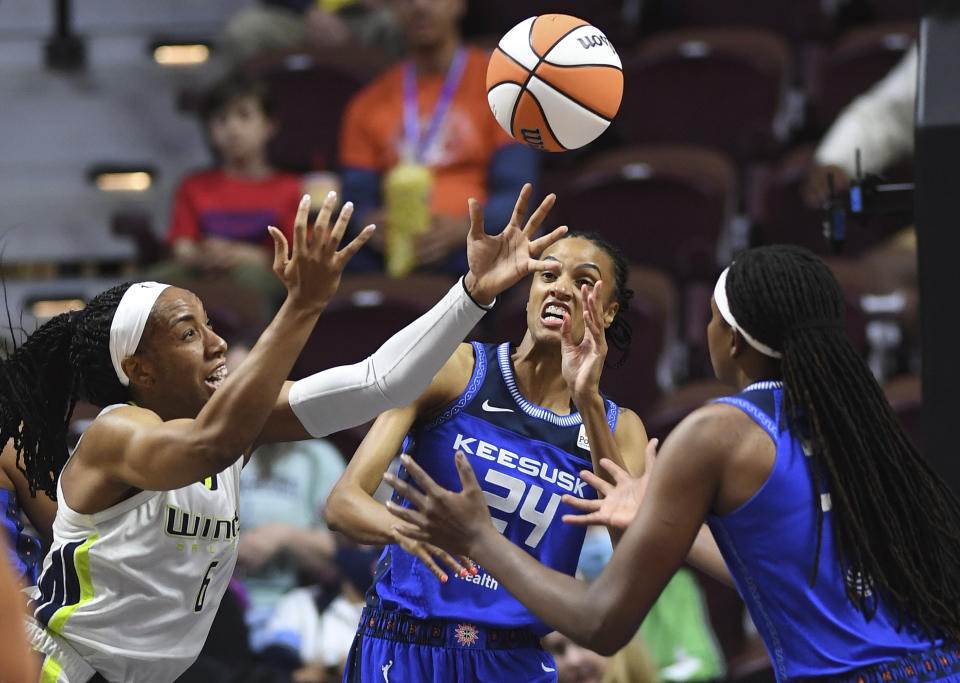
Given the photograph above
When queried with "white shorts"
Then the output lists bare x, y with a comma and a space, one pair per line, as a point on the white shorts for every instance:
61, 663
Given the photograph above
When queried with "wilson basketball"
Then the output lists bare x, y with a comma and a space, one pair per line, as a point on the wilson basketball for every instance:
554, 82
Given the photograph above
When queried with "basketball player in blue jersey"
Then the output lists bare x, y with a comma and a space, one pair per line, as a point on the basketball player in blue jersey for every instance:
528, 423
842, 541
146, 528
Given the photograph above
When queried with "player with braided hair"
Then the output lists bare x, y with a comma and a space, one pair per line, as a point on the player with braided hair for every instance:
146, 527
529, 422
843, 542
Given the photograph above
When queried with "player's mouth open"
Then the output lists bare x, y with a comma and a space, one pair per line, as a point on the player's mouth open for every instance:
215, 379
553, 313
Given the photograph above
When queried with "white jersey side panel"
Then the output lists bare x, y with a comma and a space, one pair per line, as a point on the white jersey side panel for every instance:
134, 588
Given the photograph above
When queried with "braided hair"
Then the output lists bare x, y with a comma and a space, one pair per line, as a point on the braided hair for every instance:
65, 359
896, 524
619, 334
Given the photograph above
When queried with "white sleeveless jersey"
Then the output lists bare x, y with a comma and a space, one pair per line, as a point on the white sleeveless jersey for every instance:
134, 588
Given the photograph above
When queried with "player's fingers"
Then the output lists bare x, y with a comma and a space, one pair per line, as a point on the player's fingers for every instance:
321, 226
534, 265
540, 215
614, 470
423, 480
476, 219
467, 477
446, 558
520, 208
538, 245
405, 489
566, 332
353, 247
582, 504
602, 486
469, 564
409, 531
582, 520
650, 455
300, 225
339, 228
412, 517
279, 250
421, 552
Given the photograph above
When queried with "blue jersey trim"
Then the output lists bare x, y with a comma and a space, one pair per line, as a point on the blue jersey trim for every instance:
778, 653
473, 386
530, 409
753, 411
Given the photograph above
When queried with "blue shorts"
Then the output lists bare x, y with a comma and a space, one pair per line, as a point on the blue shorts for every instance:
936, 664
395, 647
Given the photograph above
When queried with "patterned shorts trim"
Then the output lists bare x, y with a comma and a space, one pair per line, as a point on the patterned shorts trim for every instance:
404, 628
931, 665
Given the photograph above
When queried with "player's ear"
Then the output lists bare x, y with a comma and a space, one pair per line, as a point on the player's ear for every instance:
609, 313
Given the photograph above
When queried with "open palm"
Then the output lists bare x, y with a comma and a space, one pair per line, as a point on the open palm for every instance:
501, 260
582, 363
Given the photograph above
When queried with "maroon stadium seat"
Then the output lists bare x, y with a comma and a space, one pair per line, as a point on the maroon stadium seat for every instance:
717, 87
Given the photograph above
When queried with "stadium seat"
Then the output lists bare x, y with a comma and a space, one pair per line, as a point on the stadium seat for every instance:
488, 20
310, 92
364, 313
665, 206
858, 60
798, 20
719, 87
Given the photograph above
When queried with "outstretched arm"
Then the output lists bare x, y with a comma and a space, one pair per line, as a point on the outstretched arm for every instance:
602, 615
135, 447
402, 368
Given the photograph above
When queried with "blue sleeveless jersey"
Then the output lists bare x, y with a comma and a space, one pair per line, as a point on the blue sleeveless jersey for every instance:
22, 549
525, 458
769, 544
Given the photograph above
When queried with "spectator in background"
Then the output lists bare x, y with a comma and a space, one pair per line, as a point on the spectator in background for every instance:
281, 25
430, 113
879, 123
218, 226
677, 636
312, 629
576, 664
284, 539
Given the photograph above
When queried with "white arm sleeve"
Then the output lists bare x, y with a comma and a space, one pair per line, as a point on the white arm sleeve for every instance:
396, 374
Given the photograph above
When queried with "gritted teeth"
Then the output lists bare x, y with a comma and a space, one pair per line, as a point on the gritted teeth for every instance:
554, 311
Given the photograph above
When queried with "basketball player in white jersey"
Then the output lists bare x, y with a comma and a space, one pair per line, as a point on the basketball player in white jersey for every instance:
145, 535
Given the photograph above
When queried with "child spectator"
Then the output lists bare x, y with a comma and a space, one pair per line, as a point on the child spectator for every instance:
220, 216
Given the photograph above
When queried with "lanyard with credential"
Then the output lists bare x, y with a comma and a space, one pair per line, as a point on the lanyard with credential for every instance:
416, 146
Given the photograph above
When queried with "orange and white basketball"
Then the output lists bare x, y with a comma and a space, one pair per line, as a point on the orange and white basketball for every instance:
554, 82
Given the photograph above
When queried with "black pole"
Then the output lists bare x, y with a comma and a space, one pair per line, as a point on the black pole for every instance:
64, 50
938, 231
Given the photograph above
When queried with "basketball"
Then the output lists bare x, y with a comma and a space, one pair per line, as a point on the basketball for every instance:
554, 82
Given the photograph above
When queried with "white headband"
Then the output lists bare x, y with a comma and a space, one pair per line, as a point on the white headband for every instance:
128, 322
720, 296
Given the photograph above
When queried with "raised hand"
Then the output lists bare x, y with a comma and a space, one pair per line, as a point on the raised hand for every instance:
499, 261
452, 521
311, 273
581, 363
619, 501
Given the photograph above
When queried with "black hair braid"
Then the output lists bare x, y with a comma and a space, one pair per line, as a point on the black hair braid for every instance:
896, 524
619, 334
63, 360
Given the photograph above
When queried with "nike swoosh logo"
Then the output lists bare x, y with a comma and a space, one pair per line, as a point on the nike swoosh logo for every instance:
495, 409
546, 668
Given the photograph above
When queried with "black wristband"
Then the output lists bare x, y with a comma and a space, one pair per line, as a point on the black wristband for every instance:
463, 283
